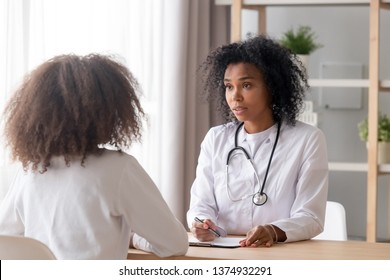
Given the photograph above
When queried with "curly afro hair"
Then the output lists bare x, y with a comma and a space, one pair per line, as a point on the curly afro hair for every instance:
284, 75
68, 106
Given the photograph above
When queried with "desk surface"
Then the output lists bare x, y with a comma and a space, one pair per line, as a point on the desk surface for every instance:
302, 250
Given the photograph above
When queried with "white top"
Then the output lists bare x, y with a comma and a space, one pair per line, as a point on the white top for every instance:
296, 186
88, 212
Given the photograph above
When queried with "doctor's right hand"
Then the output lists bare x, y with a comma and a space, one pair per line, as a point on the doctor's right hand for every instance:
201, 230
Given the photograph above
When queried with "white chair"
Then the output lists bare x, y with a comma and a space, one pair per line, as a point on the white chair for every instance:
23, 248
335, 227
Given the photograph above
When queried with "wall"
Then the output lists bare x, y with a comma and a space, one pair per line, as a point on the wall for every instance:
344, 33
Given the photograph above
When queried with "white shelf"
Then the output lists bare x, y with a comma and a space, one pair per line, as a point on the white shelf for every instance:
357, 167
385, 84
339, 83
298, 2
347, 166
363, 83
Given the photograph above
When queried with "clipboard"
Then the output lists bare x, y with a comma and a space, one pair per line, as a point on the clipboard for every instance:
219, 242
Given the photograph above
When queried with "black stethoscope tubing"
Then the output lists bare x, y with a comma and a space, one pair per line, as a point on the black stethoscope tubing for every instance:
260, 197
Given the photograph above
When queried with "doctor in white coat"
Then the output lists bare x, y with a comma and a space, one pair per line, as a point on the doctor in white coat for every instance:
262, 174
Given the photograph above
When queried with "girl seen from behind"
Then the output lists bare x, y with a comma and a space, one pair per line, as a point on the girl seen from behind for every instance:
83, 201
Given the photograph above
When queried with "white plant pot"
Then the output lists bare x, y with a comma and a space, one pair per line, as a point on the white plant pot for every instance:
304, 58
383, 152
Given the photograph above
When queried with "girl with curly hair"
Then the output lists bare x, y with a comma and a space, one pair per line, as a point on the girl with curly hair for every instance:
263, 173
80, 199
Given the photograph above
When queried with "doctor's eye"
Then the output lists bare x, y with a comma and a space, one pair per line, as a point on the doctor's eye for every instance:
228, 87
246, 86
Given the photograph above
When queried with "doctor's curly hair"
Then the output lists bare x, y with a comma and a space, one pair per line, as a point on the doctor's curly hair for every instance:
284, 75
69, 106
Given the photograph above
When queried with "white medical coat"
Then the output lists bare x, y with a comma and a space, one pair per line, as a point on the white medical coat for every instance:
296, 186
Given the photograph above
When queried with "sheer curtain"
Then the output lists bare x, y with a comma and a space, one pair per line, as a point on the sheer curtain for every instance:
161, 41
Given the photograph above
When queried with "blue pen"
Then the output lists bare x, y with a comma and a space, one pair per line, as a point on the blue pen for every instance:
216, 233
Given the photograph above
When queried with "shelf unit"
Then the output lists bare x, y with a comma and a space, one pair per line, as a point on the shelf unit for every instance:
373, 84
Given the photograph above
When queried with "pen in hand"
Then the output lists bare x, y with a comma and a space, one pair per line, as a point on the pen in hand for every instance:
216, 233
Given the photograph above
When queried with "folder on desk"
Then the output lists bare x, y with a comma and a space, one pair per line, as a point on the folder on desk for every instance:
219, 242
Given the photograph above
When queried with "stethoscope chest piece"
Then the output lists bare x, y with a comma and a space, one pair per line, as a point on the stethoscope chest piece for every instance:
259, 199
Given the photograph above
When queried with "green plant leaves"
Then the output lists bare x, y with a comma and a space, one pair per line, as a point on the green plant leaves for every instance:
301, 41
383, 128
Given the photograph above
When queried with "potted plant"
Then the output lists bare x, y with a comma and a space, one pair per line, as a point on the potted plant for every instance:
383, 136
301, 42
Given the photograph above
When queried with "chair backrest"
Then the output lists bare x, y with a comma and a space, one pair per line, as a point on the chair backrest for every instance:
23, 248
335, 227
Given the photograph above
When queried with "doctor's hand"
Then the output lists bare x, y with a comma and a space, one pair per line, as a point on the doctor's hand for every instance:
260, 236
201, 230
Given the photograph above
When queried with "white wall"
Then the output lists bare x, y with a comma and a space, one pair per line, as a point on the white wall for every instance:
344, 33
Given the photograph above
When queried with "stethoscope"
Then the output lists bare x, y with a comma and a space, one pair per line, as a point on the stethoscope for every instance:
260, 197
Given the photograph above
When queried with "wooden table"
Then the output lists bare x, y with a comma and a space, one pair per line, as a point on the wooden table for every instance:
302, 250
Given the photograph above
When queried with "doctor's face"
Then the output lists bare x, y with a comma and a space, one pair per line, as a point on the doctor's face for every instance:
247, 96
